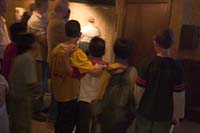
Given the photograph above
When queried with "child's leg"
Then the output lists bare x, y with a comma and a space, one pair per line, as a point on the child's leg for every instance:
143, 125
83, 123
66, 119
20, 116
161, 127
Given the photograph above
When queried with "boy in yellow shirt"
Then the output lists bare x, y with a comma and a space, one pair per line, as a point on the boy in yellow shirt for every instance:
65, 60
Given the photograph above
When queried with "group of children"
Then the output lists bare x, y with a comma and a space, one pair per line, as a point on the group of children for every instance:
77, 80
115, 90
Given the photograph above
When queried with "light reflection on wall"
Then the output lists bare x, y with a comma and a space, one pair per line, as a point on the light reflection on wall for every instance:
104, 19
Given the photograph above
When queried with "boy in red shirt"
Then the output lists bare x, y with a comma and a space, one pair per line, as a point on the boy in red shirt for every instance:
11, 50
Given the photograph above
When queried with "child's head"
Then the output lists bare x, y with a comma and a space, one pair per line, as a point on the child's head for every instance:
41, 5
73, 30
164, 40
97, 47
123, 49
16, 29
26, 42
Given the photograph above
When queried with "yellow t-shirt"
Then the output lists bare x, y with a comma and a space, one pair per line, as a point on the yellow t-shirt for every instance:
64, 87
79, 59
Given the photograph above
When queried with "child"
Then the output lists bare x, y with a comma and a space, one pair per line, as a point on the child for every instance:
4, 123
64, 87
159, 78
89, 83
11, 50
23, 82
116, 91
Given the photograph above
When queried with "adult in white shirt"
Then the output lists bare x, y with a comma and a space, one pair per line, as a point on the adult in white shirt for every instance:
4, 37
37, 25
89, 31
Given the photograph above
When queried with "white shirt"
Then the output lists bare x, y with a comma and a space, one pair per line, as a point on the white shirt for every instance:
89, 87
38, 26
88, 32
4, 36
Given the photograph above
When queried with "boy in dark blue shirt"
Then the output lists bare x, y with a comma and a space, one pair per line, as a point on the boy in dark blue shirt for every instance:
159, 78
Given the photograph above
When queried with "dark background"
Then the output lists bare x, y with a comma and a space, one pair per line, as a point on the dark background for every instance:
103, 2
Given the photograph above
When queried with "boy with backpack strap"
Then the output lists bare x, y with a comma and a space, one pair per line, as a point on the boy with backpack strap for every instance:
115, 104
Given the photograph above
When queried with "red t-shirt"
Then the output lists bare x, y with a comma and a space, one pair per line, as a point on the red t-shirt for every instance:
9, 56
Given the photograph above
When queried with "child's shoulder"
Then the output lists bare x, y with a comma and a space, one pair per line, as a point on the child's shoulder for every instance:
79, 55
60, 48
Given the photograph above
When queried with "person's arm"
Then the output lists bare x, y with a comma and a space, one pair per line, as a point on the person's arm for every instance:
179, 95
141, 84
80, 60
97, 71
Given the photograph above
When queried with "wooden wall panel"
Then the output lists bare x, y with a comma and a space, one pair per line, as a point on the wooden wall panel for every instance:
148, 1
142, 22
192, 17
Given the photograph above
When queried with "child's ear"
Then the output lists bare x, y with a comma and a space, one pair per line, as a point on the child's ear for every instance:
80, 34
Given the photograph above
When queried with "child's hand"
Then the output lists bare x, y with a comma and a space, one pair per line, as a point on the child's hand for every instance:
176, 121
100, 67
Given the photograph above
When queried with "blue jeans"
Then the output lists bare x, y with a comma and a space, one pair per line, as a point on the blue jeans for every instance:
144, 125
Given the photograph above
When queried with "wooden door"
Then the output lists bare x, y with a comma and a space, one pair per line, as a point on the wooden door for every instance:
143, 20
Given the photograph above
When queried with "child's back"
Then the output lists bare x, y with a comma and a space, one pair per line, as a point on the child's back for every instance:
160, 76
116, 91
158, 80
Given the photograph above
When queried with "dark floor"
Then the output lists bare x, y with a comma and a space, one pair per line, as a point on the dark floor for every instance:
186, 127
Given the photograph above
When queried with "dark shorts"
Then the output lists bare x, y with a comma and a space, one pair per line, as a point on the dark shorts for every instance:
67, 115
144, 125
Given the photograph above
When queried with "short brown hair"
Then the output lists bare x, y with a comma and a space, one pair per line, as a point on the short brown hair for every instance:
165, 38
73, 29
97, 47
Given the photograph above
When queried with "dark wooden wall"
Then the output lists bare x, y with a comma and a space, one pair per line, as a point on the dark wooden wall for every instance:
143, 19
